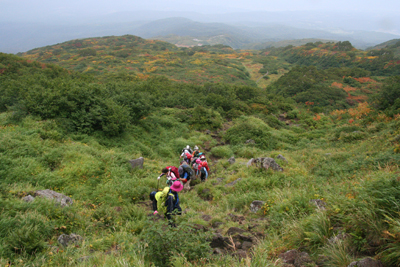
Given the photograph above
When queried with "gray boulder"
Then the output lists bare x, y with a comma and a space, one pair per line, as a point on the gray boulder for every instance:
250, 162
303, 259
281, 157
270, 163
256, 205
289, 256
28, 198
137, 163
61, 199
367, 262
265, 163
67, 240
231, 160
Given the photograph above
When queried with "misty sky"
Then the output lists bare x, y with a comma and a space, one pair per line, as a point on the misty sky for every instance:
36, 9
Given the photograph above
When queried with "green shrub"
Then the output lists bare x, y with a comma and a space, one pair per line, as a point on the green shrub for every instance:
353, 136
203, 118
24, 233
222, 151
246, 128
246, 151
163, 244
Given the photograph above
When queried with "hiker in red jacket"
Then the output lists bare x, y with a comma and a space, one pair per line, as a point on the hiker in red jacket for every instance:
203, 168
172, 174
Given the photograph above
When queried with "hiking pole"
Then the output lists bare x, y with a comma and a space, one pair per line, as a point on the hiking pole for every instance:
158, 184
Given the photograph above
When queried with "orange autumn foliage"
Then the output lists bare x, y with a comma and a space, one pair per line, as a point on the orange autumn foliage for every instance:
336, 84
364, 80
317, 117
349, 89
361, 110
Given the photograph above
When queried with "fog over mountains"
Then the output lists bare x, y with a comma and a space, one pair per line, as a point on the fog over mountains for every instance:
20, 32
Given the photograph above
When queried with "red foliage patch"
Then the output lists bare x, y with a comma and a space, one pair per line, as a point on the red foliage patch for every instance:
364, 80
336, 84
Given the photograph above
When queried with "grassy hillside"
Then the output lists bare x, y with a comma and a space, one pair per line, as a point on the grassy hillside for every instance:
341, 54
131, 57
75, 133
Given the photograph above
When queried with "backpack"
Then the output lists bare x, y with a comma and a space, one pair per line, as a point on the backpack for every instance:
189, 171
188, 156
174, 170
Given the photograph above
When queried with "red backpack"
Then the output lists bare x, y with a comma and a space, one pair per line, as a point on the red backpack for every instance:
174, 170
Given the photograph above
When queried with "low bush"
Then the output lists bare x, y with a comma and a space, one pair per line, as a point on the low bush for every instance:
246, 128
163, 243
222, 151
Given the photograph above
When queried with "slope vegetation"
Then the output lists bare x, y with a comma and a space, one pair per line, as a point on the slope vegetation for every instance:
336, 201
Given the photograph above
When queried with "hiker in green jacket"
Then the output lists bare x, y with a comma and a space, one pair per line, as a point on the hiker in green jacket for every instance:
167, 201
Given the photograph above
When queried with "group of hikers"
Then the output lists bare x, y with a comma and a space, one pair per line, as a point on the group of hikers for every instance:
193, 165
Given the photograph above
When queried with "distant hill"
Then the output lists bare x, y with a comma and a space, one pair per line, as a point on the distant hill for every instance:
242, 36
393, 46
296, 42
19, 37
132, 57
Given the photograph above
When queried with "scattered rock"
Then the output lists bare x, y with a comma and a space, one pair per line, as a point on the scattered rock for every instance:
246, 245
243, 238
250, 141
28, 198
289, 256
252, 226
208, 132
235, 230
319, 203
240, 253
231, 160
367, 262
237, 218
281, 157
207, 218
118, 209
218, 251
233, 183
200, 227
217, 224
303, 259
137, 163
270, 163
218, 241
63, 200
250, 162
265, 163
328, 154
256, 205
67, 240
296, 258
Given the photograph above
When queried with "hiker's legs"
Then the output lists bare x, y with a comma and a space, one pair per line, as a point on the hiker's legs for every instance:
154, 205
172, 210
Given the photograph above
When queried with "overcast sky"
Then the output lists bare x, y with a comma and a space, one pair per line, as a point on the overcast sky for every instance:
17, 9
380, 15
